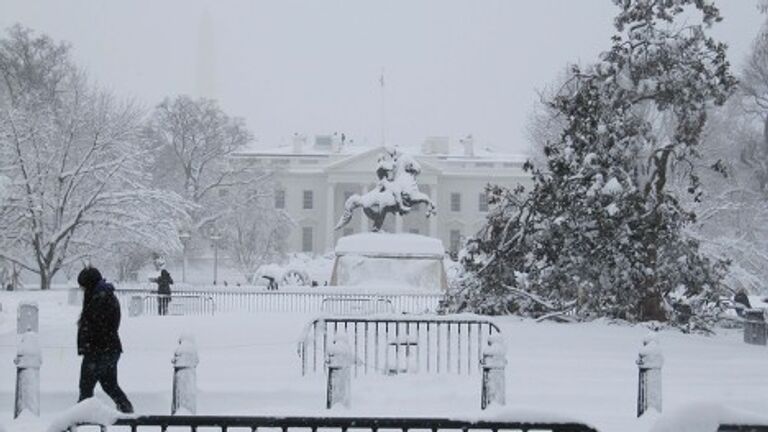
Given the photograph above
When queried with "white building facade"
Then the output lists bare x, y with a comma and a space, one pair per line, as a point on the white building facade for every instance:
312, 182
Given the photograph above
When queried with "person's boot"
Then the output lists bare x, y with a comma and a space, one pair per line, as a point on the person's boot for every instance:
125, 407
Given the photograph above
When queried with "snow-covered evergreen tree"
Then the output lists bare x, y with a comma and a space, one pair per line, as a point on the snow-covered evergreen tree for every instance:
601, 231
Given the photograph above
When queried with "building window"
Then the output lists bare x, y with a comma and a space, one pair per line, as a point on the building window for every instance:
308, 200
348, 231
307, 239
455, 240
456, 202
482, 202
279, 199
413, 230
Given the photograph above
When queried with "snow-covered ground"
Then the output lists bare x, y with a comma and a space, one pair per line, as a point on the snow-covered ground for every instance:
249, 365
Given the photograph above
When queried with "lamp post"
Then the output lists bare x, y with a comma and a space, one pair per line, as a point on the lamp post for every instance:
215, 237
184, 236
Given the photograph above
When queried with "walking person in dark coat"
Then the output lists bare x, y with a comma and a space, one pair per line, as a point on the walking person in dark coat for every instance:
164, 283
98, 340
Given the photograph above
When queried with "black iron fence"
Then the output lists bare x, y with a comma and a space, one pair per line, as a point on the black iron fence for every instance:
342, 424
408, 344
292, 301
742, 428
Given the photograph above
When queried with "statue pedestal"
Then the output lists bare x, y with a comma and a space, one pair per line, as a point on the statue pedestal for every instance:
405, 262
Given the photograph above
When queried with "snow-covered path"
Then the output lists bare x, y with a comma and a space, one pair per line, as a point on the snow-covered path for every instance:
249, 365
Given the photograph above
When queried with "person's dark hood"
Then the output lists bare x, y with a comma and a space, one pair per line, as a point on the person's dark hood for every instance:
104, 286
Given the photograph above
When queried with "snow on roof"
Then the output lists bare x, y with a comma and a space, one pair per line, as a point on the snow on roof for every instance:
291, 152
307, 150
480, 155
453, 155
388, 244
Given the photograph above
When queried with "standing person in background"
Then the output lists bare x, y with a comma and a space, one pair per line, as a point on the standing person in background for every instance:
98, 340
164, 283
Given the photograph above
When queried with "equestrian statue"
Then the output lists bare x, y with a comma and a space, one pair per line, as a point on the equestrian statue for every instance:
395, 192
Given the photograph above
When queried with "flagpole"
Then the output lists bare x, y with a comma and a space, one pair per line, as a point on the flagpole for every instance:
383, 110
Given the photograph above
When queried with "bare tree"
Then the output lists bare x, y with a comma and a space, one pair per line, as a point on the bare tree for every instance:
76, 170
255, 231
32, 66
192, 141
733, 220
545, 125
753, 98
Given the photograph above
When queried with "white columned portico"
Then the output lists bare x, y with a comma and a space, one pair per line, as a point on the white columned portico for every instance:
433, 219
363, 218
330, 204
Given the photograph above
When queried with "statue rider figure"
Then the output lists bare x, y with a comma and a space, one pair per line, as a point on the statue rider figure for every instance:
386, 168
387, 164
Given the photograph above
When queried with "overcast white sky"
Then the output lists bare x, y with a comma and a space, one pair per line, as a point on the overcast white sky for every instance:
451, 67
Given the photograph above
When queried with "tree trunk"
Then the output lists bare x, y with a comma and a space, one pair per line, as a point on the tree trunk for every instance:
46, 276
652, 307
15, 276
45, 280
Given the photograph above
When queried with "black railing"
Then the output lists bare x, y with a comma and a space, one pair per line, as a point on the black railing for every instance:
390, 345
742, 428
245, 300
374, 424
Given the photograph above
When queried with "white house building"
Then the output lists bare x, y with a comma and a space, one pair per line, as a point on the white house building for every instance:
314, 180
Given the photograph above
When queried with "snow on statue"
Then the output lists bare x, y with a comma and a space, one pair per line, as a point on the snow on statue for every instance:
396, 191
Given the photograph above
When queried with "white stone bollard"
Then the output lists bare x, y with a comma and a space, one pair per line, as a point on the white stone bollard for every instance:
494, 365
136, 306
185, 360
339, 361
28, 360
27, 318
649, 363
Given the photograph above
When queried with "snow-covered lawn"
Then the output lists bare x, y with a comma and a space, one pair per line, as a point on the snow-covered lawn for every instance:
249, 365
